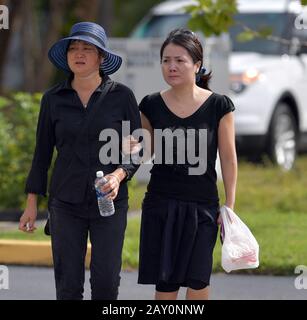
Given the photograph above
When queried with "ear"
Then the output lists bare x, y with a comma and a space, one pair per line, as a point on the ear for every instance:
197, 66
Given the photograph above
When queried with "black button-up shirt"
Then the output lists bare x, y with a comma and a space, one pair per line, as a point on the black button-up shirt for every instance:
62, 124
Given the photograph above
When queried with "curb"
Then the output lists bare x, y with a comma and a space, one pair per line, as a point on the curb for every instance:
35, 253
27, 252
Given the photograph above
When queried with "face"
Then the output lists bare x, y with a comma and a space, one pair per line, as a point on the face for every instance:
178, 68
83, 58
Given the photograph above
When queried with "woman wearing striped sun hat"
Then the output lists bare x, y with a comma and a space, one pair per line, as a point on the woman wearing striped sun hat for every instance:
72, 117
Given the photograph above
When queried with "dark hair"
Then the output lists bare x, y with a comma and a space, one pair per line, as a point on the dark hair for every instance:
188, 40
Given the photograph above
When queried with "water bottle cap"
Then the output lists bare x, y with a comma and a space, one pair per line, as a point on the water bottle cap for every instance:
99, 174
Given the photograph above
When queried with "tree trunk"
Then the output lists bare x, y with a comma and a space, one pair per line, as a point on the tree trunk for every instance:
106, 15
58, 9
87, 10
5, 36
28, 40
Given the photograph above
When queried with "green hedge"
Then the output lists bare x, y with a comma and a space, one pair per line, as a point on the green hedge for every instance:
18, 119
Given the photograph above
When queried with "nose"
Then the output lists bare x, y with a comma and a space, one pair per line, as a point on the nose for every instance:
172, 67
79, 52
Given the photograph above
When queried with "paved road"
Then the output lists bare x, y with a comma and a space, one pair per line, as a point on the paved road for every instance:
37, 284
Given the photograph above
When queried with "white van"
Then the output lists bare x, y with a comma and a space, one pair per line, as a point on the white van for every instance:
268, 79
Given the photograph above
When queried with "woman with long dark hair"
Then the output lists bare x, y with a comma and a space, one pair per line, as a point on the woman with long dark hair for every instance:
180, 212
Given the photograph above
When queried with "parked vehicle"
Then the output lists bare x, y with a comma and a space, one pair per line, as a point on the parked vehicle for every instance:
268, 79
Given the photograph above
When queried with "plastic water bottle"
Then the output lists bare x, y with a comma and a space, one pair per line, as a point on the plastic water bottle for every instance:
105, 205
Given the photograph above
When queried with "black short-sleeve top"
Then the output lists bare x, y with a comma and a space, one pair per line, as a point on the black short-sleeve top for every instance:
185, 148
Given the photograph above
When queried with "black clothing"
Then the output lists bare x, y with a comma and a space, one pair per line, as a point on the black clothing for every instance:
174, 180
75, 132
180, 211
61, 118
176, 241
69, 234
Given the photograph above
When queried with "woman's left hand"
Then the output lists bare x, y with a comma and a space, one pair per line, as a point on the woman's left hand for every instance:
112, 186
219, 219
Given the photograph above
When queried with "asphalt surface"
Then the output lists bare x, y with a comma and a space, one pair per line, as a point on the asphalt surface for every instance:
32, 283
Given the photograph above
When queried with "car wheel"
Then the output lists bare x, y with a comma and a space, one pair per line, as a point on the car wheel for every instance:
283, 137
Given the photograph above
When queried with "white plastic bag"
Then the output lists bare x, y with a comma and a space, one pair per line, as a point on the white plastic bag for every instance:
240, 249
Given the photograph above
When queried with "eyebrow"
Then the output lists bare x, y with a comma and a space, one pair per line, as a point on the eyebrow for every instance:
170, 57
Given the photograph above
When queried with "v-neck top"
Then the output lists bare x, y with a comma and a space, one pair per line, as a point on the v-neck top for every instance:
203, 105
181, 171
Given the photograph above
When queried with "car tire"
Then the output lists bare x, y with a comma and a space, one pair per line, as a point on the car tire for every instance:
283, 137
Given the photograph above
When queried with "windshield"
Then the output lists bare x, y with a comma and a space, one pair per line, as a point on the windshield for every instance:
255, 21
161, 25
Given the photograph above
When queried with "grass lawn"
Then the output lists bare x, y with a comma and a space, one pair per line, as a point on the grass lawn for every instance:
272, 203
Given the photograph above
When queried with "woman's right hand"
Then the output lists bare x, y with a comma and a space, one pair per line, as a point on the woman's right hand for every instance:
28, 218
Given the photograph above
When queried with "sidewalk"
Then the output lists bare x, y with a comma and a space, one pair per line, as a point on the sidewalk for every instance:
38, 284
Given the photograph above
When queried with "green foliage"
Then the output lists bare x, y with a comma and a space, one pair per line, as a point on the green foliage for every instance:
248, 35
18, 118
245, 36
130, 255
136, 194
212, 16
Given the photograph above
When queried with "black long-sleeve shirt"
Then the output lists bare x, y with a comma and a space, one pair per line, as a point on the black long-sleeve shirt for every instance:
62, 117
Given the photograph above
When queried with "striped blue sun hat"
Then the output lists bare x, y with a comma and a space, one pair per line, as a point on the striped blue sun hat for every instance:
89, 32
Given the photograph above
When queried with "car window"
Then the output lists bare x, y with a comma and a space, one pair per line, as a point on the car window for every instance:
277, 22
159, 26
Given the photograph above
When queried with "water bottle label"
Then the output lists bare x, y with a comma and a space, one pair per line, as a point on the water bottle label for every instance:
99, 193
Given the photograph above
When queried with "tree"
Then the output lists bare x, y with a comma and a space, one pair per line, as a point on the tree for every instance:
5, 35
216, 16
40, 23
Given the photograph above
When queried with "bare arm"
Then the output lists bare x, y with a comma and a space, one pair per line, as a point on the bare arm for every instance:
228, 157
27, 220
148, 137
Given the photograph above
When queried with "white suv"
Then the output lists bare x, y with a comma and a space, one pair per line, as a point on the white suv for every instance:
268, 79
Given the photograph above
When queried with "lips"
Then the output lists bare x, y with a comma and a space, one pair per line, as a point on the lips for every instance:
79, 62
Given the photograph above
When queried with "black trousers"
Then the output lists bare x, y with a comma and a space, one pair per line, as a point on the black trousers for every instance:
69, 236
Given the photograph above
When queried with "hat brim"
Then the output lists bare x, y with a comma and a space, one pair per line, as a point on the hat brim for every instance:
58, 54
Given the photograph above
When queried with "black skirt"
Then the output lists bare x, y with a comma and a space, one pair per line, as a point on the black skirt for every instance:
176, 241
